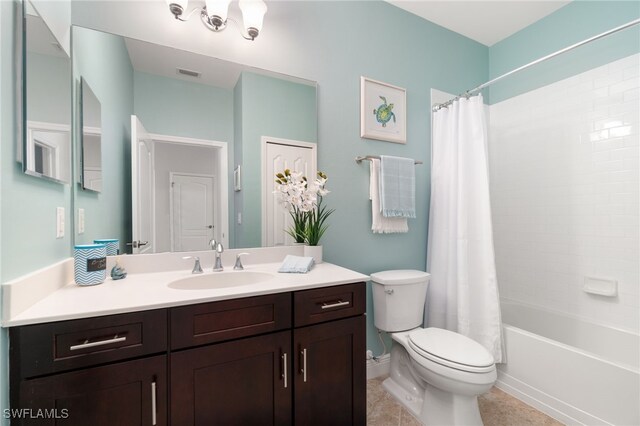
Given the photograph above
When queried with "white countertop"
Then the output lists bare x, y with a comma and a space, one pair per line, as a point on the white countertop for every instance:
145, 291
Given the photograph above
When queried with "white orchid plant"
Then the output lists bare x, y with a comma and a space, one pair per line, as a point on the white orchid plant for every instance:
303, 199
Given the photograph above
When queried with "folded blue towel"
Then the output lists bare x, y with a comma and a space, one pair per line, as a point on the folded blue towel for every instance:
397, 187
296, 264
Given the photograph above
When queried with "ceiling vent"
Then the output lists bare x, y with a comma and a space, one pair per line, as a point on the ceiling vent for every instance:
194, 74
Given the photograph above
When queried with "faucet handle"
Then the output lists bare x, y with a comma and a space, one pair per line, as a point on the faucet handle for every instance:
197, 268
238, 266
219, 248
213, 243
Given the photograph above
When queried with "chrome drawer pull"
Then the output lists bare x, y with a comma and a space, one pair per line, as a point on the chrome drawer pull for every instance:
154, 407
335, 305
304, 364
87, 344
284, 369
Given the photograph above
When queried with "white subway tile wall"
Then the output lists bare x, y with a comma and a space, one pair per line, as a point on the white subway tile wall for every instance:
565, 191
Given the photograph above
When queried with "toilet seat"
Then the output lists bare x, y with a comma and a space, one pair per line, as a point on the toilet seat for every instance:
451, 350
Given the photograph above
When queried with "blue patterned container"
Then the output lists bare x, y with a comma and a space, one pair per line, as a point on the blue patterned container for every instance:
90, 264
112, 245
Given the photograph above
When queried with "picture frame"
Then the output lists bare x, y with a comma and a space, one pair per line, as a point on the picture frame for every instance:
383, 111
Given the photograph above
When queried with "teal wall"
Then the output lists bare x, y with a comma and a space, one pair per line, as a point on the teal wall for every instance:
279, 109
175, 107
577, 21
102, 59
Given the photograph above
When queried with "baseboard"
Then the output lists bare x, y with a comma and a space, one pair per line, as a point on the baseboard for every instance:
379, 367
544, 402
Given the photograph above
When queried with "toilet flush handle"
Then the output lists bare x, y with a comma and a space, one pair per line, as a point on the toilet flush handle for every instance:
389, 291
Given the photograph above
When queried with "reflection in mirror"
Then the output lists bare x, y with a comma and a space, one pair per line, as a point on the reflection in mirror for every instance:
192, 120
91, 142
47, 78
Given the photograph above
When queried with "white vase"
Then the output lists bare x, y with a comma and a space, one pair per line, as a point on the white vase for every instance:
315, 252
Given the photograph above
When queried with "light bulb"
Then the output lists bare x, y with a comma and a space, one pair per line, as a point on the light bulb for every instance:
252, 15
218, 8
177, 7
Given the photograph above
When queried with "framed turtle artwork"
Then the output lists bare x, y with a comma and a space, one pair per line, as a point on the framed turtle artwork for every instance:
383, 111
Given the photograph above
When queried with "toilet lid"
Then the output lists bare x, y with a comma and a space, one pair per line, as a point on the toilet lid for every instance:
451, 349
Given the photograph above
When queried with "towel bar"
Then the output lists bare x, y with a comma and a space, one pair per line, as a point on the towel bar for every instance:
377, 157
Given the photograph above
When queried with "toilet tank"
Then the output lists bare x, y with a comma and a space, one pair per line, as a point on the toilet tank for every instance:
398, 299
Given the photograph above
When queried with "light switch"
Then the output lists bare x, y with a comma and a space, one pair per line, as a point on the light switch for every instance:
59, 222
80, 221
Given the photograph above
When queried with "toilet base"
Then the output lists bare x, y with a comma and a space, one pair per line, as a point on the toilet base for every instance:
445, 408
437, 407
408, 400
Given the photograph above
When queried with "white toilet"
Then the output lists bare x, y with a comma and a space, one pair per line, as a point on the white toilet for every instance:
437, 374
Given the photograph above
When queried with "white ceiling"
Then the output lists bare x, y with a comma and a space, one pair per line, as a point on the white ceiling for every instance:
487, 22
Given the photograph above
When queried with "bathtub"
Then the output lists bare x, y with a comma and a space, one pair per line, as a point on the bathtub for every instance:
576, 371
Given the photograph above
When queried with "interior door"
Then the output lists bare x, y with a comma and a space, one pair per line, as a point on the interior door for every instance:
192, 207
296, 156
142, 212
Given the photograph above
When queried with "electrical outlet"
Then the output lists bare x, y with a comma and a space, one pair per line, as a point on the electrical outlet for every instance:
59, 222
239, 218
80, 221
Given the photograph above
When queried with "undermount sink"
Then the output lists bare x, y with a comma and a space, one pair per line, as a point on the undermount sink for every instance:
220, 280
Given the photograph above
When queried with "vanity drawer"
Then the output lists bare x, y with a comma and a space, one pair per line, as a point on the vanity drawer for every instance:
65, 345
196, 325
328, 303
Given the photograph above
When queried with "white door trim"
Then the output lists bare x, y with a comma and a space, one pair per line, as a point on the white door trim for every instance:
223, 174
264, 140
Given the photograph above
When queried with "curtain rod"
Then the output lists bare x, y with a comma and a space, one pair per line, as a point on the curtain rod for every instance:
537, 61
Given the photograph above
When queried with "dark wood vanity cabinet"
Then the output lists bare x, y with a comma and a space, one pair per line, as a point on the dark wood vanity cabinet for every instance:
279, 359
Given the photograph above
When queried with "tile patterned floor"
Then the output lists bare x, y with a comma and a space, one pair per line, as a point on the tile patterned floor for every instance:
496, 408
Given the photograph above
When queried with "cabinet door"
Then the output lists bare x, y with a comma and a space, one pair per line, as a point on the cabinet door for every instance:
128, 393
330, 373
241, 382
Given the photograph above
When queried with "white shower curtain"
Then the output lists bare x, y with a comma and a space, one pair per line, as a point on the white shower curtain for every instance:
463, 290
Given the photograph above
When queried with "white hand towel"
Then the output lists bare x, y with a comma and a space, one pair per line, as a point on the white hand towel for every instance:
296, 264
379, 223
397, 186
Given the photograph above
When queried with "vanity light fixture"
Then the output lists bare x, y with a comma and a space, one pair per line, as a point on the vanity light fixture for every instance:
214, 14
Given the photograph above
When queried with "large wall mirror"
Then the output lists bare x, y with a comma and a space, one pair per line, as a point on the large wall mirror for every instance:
45, 148
175, 128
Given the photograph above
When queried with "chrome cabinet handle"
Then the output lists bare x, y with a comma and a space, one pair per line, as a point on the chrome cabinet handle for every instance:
87, 344
334, 305
304, 364
154, 418
284, 369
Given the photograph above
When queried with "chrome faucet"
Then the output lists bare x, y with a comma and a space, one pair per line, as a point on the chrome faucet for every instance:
197, 269
217, 266
238, 266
